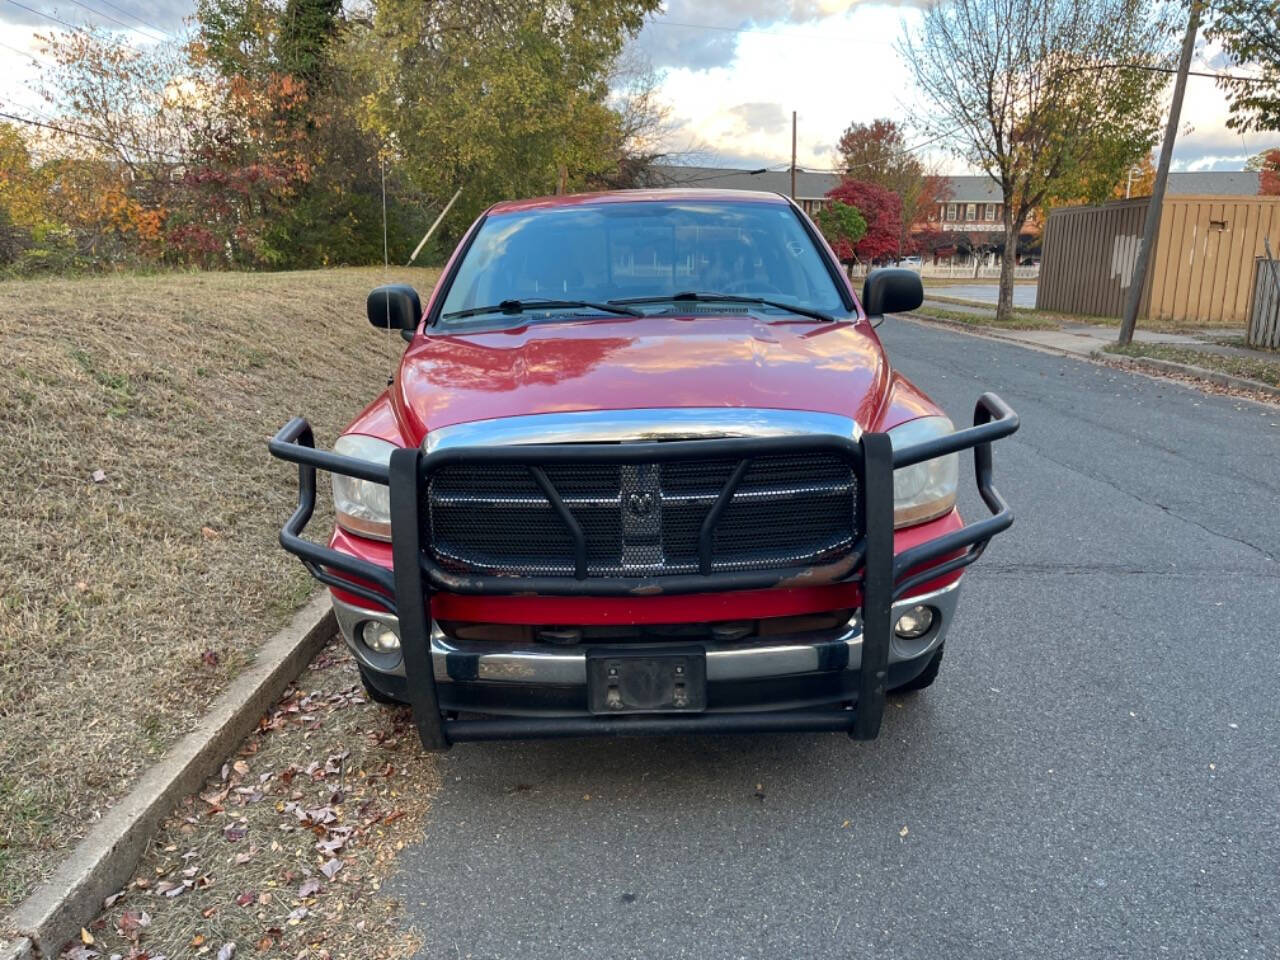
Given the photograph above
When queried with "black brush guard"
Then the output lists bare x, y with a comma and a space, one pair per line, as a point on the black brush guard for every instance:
406, 590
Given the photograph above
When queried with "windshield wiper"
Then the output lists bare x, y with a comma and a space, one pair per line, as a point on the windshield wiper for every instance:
690, 295
520, 306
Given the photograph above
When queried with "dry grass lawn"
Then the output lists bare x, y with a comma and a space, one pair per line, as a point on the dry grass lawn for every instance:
139, 569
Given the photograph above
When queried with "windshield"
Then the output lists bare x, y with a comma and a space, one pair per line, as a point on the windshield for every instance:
620, 251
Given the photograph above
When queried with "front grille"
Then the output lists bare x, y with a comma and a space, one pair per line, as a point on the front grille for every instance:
642, 519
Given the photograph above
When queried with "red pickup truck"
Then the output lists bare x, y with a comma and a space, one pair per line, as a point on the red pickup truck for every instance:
644, 468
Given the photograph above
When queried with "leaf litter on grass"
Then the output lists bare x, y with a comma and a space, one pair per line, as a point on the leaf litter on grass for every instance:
284, 852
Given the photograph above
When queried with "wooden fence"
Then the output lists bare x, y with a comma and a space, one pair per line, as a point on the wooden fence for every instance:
1264, 310
1201, 269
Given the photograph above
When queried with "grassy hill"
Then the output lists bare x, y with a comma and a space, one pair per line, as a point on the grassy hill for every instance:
130, 596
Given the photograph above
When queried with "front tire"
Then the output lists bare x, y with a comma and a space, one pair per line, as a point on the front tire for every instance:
926, 677
375, 694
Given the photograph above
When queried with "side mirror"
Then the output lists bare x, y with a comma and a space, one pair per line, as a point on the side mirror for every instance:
395, 307
891, 291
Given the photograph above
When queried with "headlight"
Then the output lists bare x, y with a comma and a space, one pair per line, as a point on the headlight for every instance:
924, 491
360, 506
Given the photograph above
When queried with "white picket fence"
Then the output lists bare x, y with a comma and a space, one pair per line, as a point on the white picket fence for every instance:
957, 271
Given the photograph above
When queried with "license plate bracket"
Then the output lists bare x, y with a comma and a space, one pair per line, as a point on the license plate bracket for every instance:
667, 680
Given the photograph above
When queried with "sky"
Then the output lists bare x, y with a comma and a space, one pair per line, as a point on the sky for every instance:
732, 71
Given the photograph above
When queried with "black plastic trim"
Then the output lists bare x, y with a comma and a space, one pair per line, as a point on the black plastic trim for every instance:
407, 588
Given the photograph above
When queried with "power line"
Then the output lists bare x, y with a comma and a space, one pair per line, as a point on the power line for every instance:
134, 16
49, 16
107, 16
1235, 78
30, 56
763, 31
86, 136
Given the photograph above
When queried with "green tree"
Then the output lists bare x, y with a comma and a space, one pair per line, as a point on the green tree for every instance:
843, 225
1023, 90
503, 100
1249, 31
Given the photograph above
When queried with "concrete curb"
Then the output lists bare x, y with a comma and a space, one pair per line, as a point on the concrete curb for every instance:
988, 333
1156, 365
103, 862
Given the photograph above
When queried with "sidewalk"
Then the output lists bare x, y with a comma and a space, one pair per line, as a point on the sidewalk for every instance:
1180, 354
1084, 339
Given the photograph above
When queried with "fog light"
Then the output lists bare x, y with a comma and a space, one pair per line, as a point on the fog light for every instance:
379, 638
914, 623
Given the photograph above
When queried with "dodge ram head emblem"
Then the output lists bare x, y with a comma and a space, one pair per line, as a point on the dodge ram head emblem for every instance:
640, 504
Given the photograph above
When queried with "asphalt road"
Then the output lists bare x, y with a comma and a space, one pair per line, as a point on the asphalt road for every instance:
1024, 294
1095, 774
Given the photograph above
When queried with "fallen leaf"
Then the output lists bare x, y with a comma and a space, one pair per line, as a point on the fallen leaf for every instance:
98, 476
331, 867
81, 953
209, 658
903, 832
86, 937
112, 900
209, 533
246, 898
309, 888
243, 858
241, 768
296, 916
235, 831
132, 922
227, 950
197, 940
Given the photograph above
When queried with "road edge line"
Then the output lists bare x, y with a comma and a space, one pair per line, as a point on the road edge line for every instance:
103, 862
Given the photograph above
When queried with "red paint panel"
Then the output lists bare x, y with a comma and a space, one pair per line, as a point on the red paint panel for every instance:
626, 363
685, 608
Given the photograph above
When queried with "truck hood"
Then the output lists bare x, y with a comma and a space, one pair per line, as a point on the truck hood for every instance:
626, 363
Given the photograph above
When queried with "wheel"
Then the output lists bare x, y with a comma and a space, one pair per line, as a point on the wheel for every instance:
376, 695
926, 678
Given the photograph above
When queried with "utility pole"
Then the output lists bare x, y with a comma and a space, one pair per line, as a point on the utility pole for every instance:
1138, 282
793, 154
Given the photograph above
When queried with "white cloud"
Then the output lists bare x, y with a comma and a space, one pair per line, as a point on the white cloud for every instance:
835, 64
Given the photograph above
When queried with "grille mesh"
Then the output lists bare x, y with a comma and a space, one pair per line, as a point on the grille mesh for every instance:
642, 519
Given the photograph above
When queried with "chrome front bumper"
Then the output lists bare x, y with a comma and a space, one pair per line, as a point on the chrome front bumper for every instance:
543, 664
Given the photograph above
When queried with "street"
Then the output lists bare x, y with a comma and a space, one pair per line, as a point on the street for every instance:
1024, 294
1093, 775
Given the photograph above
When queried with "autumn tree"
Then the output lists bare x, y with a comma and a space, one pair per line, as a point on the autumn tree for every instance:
880, 209
28, 228
1249, 32
284, 63
1027, 91
843, 226
503, 100
877, 153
